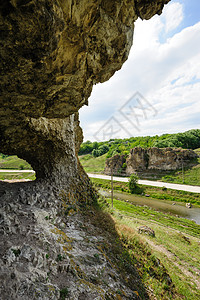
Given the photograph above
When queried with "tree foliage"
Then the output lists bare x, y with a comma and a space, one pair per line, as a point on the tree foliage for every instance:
133, 183
187, 140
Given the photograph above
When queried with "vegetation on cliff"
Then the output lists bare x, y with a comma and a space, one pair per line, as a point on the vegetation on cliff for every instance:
186, 140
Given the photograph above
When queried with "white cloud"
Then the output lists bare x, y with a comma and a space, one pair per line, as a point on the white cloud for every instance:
166, 72
172, 15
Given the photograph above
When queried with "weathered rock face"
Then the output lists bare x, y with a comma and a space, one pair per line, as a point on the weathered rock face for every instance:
140, 159
137, 160
49, 249
169, 158
115, 165
155, 158
52, 52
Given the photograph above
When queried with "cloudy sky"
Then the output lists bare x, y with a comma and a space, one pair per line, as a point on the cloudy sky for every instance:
157, 90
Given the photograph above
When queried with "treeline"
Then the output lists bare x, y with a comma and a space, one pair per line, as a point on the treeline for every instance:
186, 140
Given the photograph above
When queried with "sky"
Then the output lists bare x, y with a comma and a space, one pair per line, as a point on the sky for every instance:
157, 90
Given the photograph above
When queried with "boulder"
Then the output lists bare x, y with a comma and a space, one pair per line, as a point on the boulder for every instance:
146, 230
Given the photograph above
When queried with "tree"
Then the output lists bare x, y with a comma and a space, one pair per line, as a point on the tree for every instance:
133, 183
103, 149
95, 153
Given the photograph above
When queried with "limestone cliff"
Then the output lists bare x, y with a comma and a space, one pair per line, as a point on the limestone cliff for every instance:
51, 54
164, 159
115, 165
157, 159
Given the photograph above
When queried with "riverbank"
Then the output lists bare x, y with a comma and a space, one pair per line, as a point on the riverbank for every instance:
153, 192
177, 209
168, 262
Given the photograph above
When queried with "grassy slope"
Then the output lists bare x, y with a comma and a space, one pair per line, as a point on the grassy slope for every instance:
13, 162
175, 245
92, 164
166, 253
16, 176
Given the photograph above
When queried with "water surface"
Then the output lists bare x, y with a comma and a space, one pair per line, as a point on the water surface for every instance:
178, 209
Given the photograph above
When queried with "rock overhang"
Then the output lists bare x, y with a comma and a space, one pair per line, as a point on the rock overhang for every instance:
52, 53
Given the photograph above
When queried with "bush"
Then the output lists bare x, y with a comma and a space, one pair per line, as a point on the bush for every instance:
100, 151
133, 183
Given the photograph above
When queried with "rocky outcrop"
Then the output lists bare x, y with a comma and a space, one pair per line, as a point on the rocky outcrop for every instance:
137, 160
51, 54
49, 249
141, 160
115, 165
169, 158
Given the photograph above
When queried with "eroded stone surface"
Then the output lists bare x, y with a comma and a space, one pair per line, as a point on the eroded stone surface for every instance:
52, 52
159, 159
47, 245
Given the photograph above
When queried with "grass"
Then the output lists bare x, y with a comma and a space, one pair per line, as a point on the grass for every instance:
148, 214
154, 192
13, 162
132, 258
93, 164
162, 261
16, 176
190, 176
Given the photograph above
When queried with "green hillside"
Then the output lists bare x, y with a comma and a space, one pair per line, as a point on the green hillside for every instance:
13, 162
186, 140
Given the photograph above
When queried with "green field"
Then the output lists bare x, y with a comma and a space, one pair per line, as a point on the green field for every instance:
16, 176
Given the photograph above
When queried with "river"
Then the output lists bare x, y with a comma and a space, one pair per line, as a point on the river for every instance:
175, 208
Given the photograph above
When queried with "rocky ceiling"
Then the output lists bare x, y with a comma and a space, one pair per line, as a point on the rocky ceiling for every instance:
52, 53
